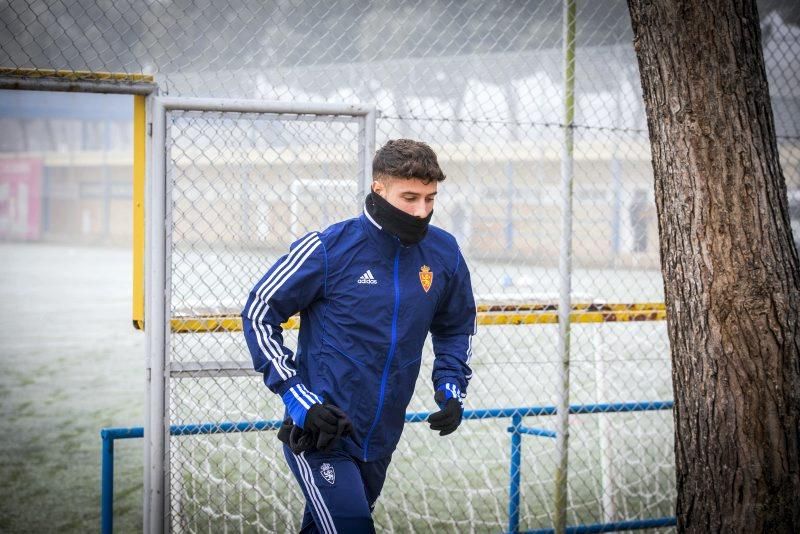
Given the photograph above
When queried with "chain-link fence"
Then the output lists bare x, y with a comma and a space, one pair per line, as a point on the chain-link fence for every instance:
484, 84
238, 186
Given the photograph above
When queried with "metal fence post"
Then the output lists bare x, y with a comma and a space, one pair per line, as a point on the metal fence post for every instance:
107, 484
515, 473
365, 151
155, 328
565, 270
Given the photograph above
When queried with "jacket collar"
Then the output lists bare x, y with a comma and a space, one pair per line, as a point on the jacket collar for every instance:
387, 243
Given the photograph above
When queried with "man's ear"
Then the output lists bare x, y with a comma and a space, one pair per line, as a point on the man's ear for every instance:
379, 188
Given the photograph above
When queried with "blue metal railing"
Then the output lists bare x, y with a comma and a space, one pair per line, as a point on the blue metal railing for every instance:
517, 430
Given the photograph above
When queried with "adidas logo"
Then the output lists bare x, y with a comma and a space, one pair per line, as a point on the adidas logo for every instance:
367, 278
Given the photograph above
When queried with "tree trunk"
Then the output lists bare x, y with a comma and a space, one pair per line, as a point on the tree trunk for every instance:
731, 272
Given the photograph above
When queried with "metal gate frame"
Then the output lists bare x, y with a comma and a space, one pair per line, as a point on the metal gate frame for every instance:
157, 289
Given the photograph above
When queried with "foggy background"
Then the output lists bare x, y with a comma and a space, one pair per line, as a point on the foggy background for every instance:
482, 82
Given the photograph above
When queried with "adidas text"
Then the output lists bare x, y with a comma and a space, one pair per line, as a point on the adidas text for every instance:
367, 278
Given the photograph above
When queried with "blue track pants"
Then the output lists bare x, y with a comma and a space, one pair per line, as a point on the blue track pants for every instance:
340, 490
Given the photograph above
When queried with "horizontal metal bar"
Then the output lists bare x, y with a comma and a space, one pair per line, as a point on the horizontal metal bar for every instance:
233, 323
620, 407
285, 117
224, 428
212, 368
528, 318
122, 433
530, 411
218, 323
77, 85
490, 304
531, 431
632, 524
30, 72
233, 105
576, 306
412, 417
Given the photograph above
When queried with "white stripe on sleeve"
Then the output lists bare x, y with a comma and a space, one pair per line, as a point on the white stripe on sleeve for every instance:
260, 305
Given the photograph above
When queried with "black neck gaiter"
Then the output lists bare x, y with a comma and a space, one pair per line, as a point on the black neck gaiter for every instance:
407, 228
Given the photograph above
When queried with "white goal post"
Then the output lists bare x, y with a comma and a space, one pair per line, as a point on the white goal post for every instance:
160, 240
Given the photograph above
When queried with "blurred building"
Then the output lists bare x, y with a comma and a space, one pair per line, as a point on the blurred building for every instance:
65, 166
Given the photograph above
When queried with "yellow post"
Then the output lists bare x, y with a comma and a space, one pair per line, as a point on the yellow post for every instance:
139, 138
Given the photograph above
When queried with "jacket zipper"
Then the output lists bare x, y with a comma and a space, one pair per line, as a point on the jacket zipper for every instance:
392, 347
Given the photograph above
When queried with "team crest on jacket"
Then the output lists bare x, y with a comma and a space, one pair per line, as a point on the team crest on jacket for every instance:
425, 277
327, 472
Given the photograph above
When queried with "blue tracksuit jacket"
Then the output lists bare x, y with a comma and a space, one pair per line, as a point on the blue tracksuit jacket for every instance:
366, 305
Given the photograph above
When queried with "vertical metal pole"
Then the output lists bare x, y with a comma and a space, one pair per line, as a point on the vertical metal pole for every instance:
371, 120
616, 177
515, 474
148, 287
565, 271
166, 265
155, 330
362, 157
107, 485
366, 149
604, 429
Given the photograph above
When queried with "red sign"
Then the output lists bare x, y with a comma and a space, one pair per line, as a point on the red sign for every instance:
20, 198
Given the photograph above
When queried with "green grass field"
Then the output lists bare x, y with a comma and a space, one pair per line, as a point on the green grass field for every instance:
71, 365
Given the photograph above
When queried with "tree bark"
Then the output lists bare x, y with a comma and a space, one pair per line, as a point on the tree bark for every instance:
731, 272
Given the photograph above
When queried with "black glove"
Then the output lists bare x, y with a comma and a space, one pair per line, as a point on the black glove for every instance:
324, 425
448, 418
294, 437
327, 424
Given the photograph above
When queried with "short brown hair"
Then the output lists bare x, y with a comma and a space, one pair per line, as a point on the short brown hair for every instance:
405, 158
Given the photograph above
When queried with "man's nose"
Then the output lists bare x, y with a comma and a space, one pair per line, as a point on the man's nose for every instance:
420, 210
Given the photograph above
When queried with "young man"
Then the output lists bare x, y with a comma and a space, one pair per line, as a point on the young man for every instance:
368, 291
